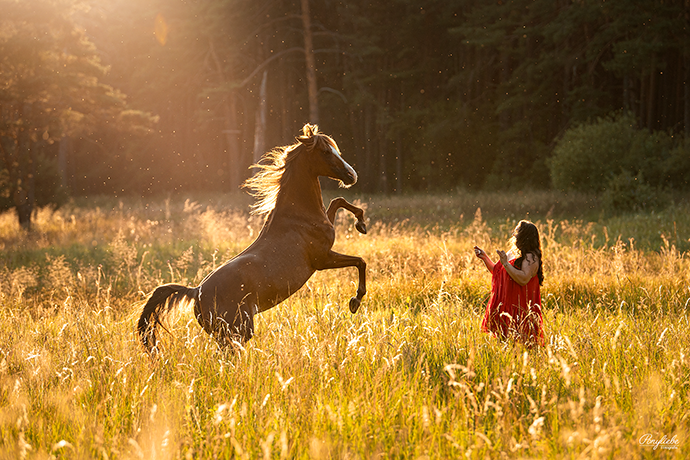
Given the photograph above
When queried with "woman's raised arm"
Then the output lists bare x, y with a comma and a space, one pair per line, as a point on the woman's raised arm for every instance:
530, 266
479, 252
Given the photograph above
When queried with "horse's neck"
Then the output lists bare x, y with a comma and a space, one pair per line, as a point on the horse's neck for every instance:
301, 196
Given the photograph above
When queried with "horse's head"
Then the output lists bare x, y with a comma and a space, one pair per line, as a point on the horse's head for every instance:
324, 156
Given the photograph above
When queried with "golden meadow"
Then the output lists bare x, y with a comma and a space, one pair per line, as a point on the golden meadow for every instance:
409, 376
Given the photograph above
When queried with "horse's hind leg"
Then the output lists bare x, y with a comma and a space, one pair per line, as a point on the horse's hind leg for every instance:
204, 322
236, 325
338, 203
244, 327
227, 321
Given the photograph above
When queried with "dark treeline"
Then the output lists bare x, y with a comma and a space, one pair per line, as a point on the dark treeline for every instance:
419, 95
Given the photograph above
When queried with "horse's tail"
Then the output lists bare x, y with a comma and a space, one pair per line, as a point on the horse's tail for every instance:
163, 299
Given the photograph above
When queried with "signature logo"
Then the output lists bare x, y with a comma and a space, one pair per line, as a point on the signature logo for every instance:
664, 442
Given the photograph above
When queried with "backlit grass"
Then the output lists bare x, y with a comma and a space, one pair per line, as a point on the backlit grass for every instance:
409, 376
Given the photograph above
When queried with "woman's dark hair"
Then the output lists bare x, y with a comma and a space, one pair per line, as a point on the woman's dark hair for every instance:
526, 240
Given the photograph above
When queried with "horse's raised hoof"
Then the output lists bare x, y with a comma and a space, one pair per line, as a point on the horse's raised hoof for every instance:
361, 227
354, 304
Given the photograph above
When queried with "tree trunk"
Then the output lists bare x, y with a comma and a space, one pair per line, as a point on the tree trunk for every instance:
651, 94
312, 88
398, 165
231, 132
18, 158
642, 108
358, 146
64, 150
260, 124
231, 129
383, 170
368, 150
287, 127
686, 102
398, 145
626, 94
25, 182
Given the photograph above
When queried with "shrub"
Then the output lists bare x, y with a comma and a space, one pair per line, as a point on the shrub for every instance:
631, 169
676, 167
628, 193
48, 189
587, 155
590, 157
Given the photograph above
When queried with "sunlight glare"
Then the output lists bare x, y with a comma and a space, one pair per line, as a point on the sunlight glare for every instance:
160, 29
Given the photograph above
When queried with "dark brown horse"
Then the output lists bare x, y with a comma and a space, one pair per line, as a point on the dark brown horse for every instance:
295, 241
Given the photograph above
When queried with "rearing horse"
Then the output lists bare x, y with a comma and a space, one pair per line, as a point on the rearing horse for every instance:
295, 241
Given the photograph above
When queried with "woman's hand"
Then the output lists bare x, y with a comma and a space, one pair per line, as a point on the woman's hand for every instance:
503, 257
479, 252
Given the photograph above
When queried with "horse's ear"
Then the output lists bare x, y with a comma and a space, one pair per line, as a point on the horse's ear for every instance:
310, 130
308, 133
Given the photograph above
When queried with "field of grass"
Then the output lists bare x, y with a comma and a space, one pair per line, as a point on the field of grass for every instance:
409, 376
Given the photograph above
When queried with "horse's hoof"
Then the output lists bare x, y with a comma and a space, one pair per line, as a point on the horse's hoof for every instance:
354, 304
361, 227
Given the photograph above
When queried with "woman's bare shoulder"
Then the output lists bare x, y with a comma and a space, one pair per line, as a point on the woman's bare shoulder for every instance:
531, 258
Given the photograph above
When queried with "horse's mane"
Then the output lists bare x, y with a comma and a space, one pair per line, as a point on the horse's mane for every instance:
274, 165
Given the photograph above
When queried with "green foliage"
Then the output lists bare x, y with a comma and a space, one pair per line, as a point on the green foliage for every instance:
589, 155
676, 167
420, 95
627, 193
51, 88
48, 191
631, 167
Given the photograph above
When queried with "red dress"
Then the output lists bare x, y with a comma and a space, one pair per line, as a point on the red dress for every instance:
514, 310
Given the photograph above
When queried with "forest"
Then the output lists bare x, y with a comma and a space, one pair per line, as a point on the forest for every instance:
159, 96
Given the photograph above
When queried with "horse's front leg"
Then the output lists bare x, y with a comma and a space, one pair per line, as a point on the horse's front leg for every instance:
336, 260
338, 203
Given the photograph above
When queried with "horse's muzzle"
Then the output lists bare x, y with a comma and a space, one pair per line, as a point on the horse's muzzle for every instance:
350, 177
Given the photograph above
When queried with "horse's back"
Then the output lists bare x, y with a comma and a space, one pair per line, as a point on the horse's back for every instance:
258, 279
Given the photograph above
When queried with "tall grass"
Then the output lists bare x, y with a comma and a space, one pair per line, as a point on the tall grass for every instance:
409, 376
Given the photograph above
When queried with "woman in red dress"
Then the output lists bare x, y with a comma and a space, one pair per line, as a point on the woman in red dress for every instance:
514, 308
